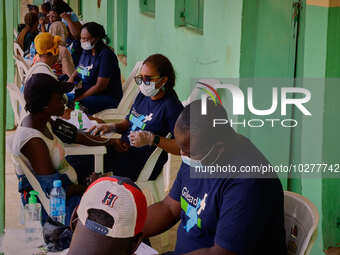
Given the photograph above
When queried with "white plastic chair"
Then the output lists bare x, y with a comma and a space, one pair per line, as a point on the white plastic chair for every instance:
17, 99
21, 166
15, 33
17, 102
301, 221
17, 50
22, 69
196, 92
130, 92
155, 190
97, 151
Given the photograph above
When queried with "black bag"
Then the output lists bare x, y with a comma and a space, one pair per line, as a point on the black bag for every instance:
57, 236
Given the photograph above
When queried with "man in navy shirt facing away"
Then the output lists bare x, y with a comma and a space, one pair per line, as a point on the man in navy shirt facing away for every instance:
237, 214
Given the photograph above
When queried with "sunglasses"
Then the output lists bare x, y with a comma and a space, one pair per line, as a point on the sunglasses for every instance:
145, 79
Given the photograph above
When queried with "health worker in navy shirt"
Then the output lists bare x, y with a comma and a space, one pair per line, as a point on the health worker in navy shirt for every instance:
98, 70
230, 214
151, 119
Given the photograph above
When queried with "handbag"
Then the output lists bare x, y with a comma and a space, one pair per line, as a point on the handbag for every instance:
56, 235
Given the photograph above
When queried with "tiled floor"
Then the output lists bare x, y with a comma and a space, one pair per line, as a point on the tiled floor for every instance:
161, 243
13, 207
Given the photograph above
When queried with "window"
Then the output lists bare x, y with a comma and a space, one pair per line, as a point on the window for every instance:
80, 9
116, 26
147, 7
189, 13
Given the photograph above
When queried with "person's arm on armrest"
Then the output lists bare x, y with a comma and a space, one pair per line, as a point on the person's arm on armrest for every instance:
108, 65
101, 85
73, 76
161, 216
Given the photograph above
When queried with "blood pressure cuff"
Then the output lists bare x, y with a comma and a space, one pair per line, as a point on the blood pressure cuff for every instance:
65, 131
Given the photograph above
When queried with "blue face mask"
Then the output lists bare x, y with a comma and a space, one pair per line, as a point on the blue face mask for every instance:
197, 162
191, 162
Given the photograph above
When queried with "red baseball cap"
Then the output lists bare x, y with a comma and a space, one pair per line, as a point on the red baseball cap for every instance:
119, 197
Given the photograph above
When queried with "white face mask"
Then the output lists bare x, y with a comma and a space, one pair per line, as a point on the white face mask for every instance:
191, 162
149, 90
87, 45
198, 162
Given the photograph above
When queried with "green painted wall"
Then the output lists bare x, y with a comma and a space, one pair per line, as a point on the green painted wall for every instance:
91, 12
315, 52
316, 139
268, 51
193, 55
11, 22
215, 53
3, 79
331, 136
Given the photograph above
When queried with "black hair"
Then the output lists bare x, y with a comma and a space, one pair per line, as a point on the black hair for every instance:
60, 6
20, 27
192, 121
55, 10
101, 217
46, 6
35, 97
105, 219
32, 7
165, 68
97, 31
31, 19
37, 102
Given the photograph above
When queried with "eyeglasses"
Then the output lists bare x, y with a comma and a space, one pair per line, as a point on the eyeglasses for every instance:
146, 79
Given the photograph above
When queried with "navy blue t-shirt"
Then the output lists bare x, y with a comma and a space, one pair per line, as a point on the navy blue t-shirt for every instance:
104, 64
244, 216
156, 116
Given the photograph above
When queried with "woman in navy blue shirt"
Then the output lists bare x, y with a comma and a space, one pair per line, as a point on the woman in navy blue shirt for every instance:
152, 117
98, 70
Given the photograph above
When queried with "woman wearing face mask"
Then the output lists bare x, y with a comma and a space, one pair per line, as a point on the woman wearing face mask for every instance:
98, 70
151, 118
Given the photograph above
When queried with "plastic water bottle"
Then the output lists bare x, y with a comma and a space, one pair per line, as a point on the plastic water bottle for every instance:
33, 228
58, 202
77, 116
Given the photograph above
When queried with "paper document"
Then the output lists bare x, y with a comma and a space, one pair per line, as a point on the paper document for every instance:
144, 249
87, 123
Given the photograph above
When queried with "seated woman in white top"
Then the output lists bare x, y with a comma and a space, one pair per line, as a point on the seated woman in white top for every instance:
36, 142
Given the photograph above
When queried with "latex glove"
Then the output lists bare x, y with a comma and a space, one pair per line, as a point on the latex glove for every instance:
141, 138
101, 129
